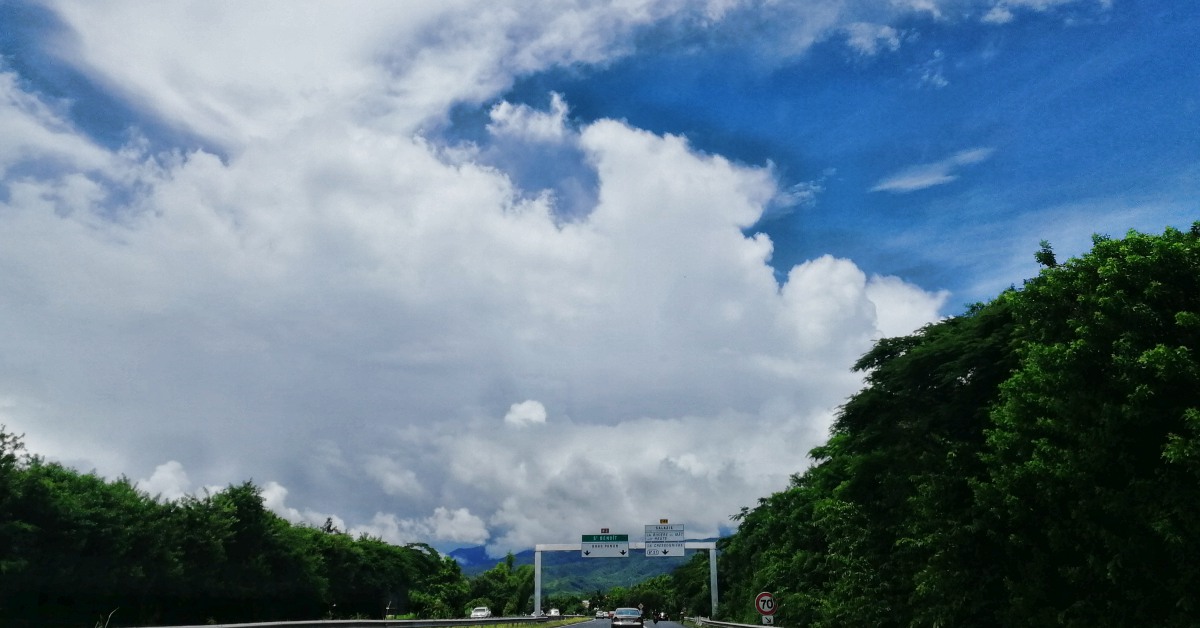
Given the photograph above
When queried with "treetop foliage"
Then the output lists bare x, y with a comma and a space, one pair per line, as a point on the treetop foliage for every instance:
75, 547
1032, 462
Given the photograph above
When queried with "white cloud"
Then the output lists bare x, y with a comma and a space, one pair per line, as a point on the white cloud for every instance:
340, 304
526, 413
932, 73
274, 496
868, 38
35, 131
1002, 12
528, 123
999, 14
169, 481
902, 310
392, 477
803, 194
458, 527
403, 64
928, 175
338, 291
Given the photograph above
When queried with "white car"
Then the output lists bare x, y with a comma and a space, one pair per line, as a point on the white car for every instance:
554, 613
481, 612
601, 615
627, 617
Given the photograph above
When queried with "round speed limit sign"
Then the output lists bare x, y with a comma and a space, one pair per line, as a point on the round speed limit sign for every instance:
764, 603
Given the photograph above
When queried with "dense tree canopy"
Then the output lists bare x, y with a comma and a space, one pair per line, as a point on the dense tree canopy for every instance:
74, 548
506, 589
1032, 462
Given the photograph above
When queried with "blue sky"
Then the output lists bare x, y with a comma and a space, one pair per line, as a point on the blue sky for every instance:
1087, 102
423, 267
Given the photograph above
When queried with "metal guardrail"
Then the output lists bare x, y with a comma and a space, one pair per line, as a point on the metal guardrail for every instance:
377, 623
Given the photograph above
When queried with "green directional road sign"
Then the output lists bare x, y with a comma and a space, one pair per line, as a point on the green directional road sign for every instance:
605, 546
606, 538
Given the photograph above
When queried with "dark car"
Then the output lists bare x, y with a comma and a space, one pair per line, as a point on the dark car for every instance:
627, 617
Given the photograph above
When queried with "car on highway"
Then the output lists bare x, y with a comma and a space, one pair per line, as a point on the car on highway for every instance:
481, 612
600, 614
627, 617
554, 613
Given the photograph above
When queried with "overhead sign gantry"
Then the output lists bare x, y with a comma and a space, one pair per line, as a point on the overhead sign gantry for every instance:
662, 540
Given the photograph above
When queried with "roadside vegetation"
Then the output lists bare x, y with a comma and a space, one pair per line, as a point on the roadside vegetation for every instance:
79, 550
76, 549
1032, 462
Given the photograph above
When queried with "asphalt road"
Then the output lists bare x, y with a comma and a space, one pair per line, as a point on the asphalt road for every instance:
605, 623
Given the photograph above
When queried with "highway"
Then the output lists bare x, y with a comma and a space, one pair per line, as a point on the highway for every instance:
604, 623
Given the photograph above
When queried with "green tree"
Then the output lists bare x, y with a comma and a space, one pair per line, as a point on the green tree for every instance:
442, 588
691, 583
13, 531
74, 547
1092, 477
867, 534
269, 573
505, 588
83, 546
1033, 462
1045, 256
657, 594
199, 532
912, 439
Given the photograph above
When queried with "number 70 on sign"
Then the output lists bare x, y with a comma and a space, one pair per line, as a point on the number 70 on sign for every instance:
764, 603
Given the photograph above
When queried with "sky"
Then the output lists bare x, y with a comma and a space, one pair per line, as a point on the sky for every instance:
469, 272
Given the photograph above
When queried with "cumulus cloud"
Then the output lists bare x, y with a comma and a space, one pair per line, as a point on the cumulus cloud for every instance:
526, 413
900, 310
391, 476
457, 526
528, 123
274, 496
169, 481
331, 297
382, 299
929, 175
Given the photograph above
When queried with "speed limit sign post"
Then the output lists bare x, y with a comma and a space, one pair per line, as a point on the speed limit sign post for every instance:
764, 603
